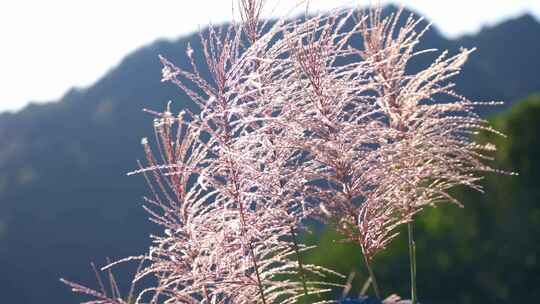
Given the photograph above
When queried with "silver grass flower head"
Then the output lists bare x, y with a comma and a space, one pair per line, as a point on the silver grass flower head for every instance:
298, 121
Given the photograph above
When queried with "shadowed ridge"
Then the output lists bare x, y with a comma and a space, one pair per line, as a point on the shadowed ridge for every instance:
508, 56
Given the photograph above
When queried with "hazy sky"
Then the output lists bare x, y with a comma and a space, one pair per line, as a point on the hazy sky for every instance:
49, 46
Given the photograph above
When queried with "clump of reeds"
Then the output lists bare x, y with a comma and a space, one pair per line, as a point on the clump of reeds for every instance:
311, 118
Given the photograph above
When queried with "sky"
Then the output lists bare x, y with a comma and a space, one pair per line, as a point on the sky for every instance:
47, 47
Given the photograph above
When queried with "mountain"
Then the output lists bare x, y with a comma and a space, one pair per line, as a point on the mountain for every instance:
64, 196
507, 60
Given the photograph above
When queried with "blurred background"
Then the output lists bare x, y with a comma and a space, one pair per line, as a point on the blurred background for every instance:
75, 75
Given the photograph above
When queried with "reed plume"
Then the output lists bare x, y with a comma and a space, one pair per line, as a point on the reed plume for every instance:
311, 118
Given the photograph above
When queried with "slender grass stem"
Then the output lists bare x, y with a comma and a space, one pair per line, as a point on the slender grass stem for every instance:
252, 254
373, 279
301, 272
412, 255
259, 281
365, 287
205, 290
244, 233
